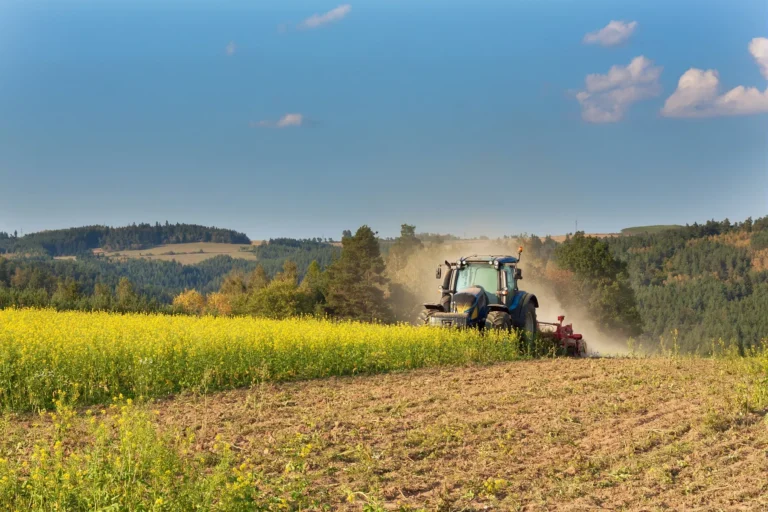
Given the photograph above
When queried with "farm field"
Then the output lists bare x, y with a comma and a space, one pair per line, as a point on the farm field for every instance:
186, 254
91, 357
611, 434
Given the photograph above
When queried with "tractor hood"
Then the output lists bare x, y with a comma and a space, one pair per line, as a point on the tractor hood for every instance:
470, 301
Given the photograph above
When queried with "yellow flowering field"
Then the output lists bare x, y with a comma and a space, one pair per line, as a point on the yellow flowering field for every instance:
92, 357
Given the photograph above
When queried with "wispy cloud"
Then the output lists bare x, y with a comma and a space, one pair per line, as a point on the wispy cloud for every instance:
318, 20
697, 93
231, 48
614, 33
607, 97
284, 122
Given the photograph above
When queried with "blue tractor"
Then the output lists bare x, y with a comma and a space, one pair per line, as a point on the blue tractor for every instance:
482, 292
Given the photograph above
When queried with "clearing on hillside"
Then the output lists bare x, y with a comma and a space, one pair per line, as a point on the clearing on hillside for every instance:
186, 254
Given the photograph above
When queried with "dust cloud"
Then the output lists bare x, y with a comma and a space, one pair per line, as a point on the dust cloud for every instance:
417, 276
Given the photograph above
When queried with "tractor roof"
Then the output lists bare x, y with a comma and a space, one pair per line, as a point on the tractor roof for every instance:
501, 259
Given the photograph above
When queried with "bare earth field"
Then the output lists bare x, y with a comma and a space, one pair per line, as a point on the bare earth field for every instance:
186, 254
590, 434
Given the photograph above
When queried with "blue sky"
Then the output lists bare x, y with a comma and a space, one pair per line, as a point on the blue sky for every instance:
460, 117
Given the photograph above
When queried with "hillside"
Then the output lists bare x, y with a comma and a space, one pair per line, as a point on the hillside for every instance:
649, 230
157, 274
610, 434
73, 241
706, 282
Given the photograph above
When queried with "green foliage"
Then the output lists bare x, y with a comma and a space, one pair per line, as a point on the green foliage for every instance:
639, 230
537, 248
760, 241
403, 248
275, 252
588, 257
154, 282
600, 284
356, 280
315, 286
281, 297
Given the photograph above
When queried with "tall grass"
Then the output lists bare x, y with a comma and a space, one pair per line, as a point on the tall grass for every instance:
92, 357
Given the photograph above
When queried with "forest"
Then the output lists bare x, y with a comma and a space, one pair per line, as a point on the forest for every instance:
688, 286
70, 284
708, 281
275, 252
78, 241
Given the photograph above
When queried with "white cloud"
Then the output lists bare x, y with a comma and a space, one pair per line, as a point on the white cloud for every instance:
290, 120
231, 48
284, 122
607, 97
758, 47
317, 20
615, 32
697, 93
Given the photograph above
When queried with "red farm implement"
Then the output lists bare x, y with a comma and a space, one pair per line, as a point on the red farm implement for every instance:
573, 344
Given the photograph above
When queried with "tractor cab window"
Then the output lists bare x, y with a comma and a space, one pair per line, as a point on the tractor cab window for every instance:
510, 278
478, 275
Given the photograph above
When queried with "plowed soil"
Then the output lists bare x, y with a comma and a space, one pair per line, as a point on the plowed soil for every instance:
593, 434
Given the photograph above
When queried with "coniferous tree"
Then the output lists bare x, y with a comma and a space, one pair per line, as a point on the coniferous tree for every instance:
356, 281
405, 245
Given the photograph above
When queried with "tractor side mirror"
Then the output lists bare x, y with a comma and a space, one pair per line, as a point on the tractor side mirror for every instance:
518, 273
439, 272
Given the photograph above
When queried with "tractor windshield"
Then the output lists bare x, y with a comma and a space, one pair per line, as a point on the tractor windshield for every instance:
478, 275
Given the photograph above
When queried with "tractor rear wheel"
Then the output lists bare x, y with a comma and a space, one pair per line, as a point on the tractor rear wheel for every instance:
530, 326
498, 320
424, 316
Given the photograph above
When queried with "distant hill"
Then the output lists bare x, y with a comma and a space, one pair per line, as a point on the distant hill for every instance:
647, 230
35, 280
700, 284
75, 241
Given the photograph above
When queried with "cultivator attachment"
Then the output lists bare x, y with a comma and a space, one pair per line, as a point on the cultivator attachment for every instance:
573, 344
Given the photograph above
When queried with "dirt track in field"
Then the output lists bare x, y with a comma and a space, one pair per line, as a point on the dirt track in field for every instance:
594, 434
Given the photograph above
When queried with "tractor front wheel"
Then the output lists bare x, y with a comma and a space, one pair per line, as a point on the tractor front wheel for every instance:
424, 316
498, 320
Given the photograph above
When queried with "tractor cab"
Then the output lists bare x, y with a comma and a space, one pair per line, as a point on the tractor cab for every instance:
496, 275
